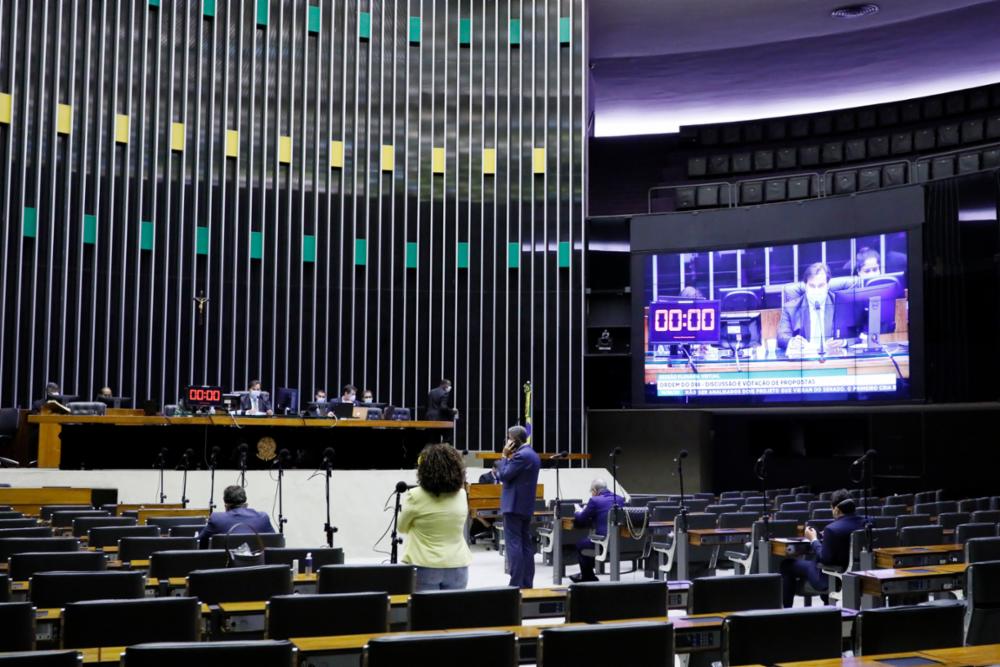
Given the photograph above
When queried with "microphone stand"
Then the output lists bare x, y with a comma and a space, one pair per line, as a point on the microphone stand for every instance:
281, 474
869, 470
243, 466
211, 478
680, 476
185, 463
327, 527
761, 472
396, 540
161, 461
614, 480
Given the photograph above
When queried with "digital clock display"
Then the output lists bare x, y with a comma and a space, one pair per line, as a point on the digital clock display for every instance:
684, 321
203, 397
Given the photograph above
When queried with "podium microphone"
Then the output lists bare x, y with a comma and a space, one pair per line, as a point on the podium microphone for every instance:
213, 460
328, 528
283, 456
243, 464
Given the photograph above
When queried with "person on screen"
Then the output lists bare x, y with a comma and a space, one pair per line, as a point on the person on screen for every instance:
806, 324
367, 398
691, 292
320, 397
254, 402
349, 394
867, 263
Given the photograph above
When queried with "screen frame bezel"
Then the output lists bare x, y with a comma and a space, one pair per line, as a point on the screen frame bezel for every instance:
807, 221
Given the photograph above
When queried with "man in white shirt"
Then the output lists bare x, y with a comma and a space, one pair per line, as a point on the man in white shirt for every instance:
255, 402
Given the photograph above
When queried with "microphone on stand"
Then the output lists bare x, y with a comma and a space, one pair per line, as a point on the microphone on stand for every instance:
403, 487
161, 462
213, 460
822, 332
328, 529
283, 456
185, 464
864, 458
681, 455
243, 463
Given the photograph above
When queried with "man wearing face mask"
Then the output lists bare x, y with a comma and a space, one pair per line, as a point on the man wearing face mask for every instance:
439, 403
806, 325
254, 402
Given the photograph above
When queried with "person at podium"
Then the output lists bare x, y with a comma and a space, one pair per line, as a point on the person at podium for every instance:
439, 403
235, 500
349, 394
52, 393
254, 402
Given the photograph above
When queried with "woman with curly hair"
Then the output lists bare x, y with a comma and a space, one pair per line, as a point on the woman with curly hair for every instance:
433, 518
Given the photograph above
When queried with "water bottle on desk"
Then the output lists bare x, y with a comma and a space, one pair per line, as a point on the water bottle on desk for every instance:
309, 563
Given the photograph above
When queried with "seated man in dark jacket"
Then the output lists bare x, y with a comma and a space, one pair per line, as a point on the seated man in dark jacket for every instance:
594, 514
237, 512
833, 550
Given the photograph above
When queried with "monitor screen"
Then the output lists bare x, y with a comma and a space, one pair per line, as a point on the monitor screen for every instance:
819, 320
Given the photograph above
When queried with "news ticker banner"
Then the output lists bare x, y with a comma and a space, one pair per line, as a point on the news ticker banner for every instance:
762, 383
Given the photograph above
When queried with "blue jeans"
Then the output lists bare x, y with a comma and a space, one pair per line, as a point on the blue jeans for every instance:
794, 570
520, 550
442, 578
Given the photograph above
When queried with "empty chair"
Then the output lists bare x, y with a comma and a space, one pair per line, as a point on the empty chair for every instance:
240, 584
895, 510
477, 608
909, 628
4, 588
165, 523
967, 531
16, 545
45, 512
648, 645
397, 579
804, 496
756, 510
108, 536
821, 513
790, 635
719, 509
83, 524
320, 557
132, 547
918, 536
781, 499
986, 516
882, 521
595, 601
947, 506
25, 522
261, 653
730, 495
737, 519
982, 590
233, 540
18, 622
952, 519
482, 648
10, 514
912, 520
126, 622
26, 531
972, 504
745, 560
696, 504
904, 499
185, 530
736, 593
980, 549
704, 495
930, 509
65, 518
41, 659
327, 614
818, 524
166, 564
926, 497
826, 495
793, 515
55, 589
794, 506
22, 566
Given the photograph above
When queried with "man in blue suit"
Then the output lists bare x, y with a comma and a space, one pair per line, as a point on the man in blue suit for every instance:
833, 550
594, 514
519, 476
237, 512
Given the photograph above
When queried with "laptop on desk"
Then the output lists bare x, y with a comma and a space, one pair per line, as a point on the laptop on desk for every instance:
343, 410
360, 412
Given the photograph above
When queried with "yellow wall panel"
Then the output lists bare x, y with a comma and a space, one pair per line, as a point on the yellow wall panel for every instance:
121, 128
336, 153
437, 161
177, 136
64, 119
6, 107
284, 149
232, 143
388, 158
539, 161
489, 160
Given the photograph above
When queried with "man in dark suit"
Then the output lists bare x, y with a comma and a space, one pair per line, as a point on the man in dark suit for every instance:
807, 323
491, 476
237, 512
52, 393
254, 402
594, 514
833, 550
439, 403
519, 475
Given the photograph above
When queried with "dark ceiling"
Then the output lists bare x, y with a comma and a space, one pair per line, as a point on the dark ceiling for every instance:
660, 64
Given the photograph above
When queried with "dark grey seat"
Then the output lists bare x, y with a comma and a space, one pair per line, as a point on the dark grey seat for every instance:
736, 593
42, 659
483, 649
83, 524
263, 653
914, 536
16, 545
22, 566
475, 608
790, 635
55, 589
327, 614
591, 602
392, 579
981, 549
142, 547
640, 644
165, 523
320, 557
912, 520
953, 519
4, 588
186, 530
108, 536
126, 622
65, 518
233, 540
26, 531
10, 514
26, 522
18, 622
967, 531
982, 590
909, 628
180, 563
45, 512
240, 584
986, 516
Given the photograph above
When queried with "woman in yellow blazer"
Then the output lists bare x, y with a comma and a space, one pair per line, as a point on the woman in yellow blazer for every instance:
433, 519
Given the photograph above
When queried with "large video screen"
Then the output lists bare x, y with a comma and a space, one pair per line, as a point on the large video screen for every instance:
826, 320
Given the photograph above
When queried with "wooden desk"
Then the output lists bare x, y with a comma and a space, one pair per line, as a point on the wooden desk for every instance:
713, 537
200, 513
545, 456
487, 497
121, 508
963, 656
790, 547
50, 426
880, 584
30, 500
920, 556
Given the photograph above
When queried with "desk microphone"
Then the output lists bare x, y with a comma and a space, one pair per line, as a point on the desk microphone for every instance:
403, 487
683, 454
822, 332
694, 366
